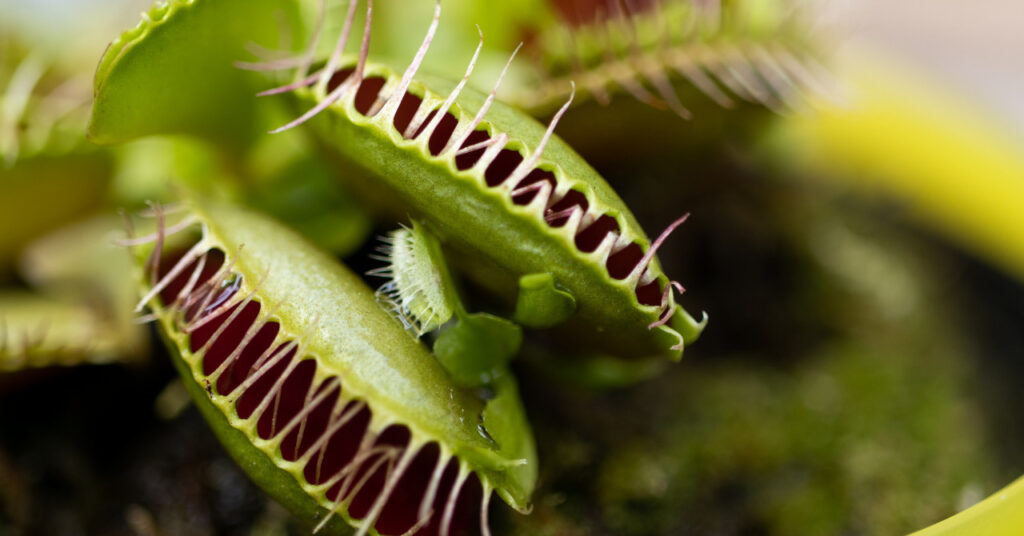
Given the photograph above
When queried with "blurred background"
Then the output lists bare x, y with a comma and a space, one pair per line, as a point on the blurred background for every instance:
862, 261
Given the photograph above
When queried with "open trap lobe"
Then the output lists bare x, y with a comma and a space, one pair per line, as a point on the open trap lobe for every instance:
407, 112
380, 479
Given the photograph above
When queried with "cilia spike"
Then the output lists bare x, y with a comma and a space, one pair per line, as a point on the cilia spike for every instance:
652, 49
501, 189
317, 391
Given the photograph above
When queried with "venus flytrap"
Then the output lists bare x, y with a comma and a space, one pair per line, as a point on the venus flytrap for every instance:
28, 207
510, 198
172, 72
43, 109
43, 331
473, 348
43, 106
419, 289
321, 396
318, 393
727, 50
80, 307
50, 180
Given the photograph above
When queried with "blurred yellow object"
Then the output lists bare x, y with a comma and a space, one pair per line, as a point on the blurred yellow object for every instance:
1001, 514
901, 137
899, 134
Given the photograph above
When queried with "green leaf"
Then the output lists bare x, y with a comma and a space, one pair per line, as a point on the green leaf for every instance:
350, 338
477, 348
505, 419
175, 73
540, 304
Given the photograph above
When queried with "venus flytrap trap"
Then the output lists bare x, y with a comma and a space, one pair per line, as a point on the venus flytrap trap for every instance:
42, 107
172, 72
748, 50
318, 393
43, 110
473, 348
419, 289
80, 307
173, 76
510, 198
42, 331
50, 179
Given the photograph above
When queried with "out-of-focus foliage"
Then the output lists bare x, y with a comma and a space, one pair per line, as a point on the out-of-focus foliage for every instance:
80, 307
36, 331
49, 174
41, 193
867, 432
897, 135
